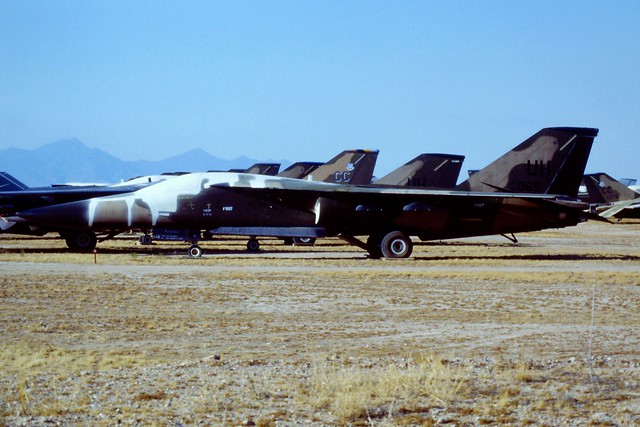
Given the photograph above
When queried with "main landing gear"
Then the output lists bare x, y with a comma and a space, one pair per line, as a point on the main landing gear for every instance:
195, 251
253, 245
84, 241
394, 244
146, 239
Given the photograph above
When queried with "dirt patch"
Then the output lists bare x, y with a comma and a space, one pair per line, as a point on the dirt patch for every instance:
467, 332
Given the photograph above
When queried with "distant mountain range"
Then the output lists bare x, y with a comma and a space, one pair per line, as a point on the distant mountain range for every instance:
69, 160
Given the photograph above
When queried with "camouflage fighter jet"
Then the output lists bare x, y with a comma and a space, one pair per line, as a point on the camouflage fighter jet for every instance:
378, 219
350, 165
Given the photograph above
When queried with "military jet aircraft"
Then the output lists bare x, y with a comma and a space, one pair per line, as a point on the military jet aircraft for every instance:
610, 198
350, 165
551, 162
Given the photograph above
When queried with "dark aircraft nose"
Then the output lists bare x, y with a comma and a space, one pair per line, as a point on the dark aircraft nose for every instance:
74, 214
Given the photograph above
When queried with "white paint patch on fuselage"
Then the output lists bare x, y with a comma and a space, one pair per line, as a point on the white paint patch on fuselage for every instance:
162, 198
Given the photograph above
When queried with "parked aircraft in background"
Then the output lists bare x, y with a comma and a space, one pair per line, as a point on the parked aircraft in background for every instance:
426, 171
551, 162
354, 167
10, 183
260, 169
15, 196
632, 183
610, 198
299, 170
629, 182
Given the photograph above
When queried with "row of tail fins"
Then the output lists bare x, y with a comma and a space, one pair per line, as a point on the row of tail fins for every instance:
551, 161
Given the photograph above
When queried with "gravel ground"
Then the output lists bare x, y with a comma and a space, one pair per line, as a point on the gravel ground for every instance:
467, 332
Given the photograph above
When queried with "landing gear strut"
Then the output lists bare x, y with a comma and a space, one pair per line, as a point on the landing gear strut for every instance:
511, 238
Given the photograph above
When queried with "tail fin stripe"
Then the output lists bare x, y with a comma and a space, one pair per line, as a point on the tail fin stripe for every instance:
568, 142
440, 165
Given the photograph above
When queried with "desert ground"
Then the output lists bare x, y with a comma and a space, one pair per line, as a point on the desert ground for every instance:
466, 332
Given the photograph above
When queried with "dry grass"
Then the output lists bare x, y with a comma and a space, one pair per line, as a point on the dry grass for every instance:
464, 333
364, 392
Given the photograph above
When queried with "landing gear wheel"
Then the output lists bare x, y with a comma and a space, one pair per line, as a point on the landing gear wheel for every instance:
396, 245
253, 245
304, 241
145, 239
195, 251
81, 241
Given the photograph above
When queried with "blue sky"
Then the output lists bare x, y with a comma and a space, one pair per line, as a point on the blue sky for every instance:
303, 80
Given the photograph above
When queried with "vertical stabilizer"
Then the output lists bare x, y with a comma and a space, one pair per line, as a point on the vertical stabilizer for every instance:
353, 167
299, 169
602, 188
550, 162
9, 183
260, 169
426, 171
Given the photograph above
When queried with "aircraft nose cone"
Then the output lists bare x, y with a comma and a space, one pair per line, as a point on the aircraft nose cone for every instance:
72, 214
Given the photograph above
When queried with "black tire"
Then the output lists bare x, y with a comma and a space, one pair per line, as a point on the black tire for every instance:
146, 239
195, 251
304, 241
396, 245
253, 245
84, 241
